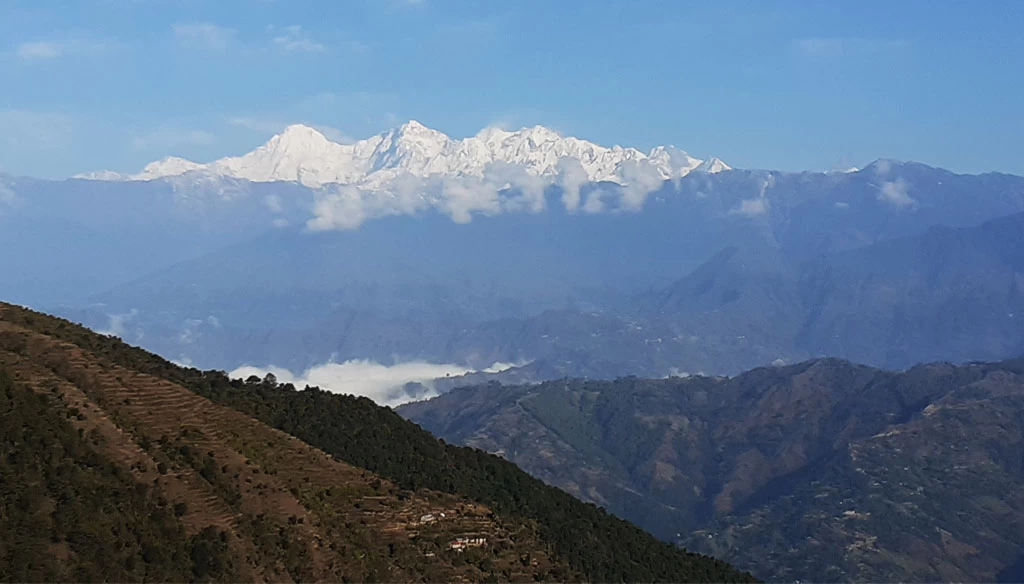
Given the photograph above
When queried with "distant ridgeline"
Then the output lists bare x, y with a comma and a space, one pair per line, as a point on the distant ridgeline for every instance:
117, 465
820, 471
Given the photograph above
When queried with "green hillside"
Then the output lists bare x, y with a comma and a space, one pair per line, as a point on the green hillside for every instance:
350, 515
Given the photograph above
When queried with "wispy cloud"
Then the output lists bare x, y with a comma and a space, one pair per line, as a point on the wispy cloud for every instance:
751, 207
294, 40
166, 137
203, 36
39, 50
833, 47
757, 206
896, 193
43, 50
7, 196
33, 129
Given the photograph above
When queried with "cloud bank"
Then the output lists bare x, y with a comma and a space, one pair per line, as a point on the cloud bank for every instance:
384, 384
503, 188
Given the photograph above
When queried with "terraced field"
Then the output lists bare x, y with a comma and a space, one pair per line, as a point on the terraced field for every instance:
287, 510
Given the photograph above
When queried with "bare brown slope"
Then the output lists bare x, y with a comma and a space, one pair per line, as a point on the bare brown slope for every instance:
290, 511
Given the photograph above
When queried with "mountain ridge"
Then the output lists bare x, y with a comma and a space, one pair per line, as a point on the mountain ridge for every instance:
302, 154
823, 470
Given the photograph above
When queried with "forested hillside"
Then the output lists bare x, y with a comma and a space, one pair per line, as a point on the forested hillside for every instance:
123, 466
821, 471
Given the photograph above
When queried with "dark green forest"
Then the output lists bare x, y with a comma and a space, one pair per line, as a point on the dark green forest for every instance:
60, 499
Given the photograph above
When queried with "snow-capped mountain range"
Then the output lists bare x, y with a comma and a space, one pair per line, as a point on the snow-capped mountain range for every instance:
304, 155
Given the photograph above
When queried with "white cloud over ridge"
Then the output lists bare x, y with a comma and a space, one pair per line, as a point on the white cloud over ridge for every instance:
384, 384
896, 193
751, 207
757, 206
504, 188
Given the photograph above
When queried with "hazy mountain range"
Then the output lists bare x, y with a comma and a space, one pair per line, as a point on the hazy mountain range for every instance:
412, 246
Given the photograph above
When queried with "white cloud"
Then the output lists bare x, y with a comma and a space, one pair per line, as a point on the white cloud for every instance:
461, 197
341, 208
203, 35
756, 206
118, 326
273, 203
896, 193
502, 188
7, 196
571, 178
43, 50
39, 50
382, 383
295, 41
641, 179
518, 189
833, 47
595, 201
751, 207
172, 137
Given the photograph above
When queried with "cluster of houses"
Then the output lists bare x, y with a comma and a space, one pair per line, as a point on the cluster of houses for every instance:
460, 544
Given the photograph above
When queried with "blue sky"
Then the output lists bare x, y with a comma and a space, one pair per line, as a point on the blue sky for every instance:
789, 85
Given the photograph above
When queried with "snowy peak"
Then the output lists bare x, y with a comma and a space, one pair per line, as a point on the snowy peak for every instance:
298, 137
712, 165
672, 161
170, 166
302, 154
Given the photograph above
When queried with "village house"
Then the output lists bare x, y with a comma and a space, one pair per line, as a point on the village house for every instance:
462, 543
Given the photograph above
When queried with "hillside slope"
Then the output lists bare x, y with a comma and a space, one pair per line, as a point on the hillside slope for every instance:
116, 466
821, 471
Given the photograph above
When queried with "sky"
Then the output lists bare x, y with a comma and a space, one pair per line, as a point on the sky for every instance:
790, 85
